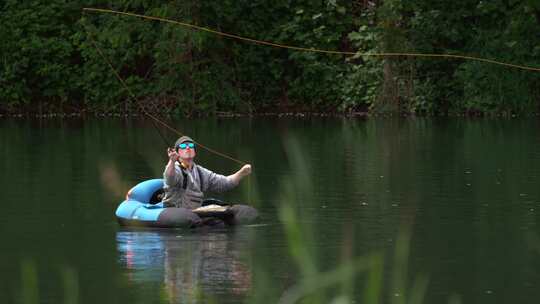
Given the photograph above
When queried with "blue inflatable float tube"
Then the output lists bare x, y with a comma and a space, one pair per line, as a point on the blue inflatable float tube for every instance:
143, 208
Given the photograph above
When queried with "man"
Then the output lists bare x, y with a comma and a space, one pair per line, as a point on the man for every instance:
185, 181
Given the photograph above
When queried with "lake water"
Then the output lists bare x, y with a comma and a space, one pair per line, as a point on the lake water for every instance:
463, 197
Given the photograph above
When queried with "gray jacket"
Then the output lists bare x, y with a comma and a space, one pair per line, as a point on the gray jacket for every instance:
186, 188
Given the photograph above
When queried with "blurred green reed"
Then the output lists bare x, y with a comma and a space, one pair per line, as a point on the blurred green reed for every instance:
29, 283
70, 279
29, 288
29, 291
314, 286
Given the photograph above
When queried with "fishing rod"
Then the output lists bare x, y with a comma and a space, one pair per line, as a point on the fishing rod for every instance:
132, 96
145, 112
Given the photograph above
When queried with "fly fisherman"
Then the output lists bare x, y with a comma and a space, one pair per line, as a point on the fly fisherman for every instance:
185, 181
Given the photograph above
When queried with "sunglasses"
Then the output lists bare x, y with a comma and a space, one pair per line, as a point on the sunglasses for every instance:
184, 146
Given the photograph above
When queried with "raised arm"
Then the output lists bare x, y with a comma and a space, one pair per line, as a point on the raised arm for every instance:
243, 172
170, 175
214, 182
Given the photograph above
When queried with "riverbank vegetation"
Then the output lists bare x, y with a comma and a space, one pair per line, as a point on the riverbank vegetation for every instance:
51, 65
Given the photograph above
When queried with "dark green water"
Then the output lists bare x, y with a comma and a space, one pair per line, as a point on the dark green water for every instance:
467, 190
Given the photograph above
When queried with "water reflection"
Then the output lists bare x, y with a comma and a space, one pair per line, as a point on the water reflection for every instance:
189, 265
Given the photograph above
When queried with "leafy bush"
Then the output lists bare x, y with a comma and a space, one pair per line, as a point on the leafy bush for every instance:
50, 61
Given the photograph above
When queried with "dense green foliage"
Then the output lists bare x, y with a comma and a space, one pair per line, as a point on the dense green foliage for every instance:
49, 62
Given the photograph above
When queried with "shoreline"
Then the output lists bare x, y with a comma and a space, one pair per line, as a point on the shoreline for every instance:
299, 114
